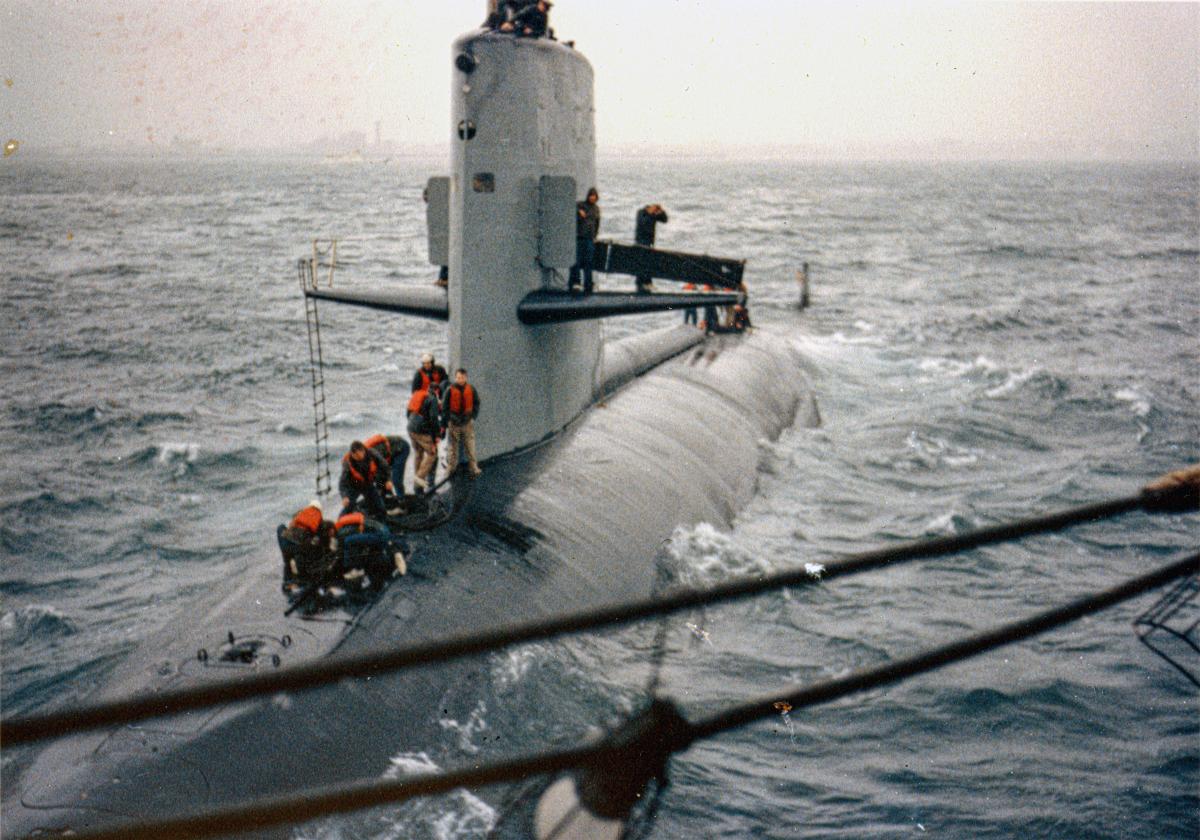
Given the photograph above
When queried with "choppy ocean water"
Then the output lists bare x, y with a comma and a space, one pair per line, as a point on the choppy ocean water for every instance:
986, 342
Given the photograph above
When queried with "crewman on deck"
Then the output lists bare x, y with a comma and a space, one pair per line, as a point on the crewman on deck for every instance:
643, 234
306, 543
429, 372
711, 319
532, 21
587, 228
360, 468
372, 547
689, 314
394, 451
460, 407
424, 427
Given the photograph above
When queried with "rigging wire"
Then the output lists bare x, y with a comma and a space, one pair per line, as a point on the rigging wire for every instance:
1177, 492
656, 744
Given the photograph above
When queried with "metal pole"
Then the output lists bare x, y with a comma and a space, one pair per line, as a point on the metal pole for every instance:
802, 276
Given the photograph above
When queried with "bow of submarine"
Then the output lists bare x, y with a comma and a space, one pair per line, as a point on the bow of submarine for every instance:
568, 525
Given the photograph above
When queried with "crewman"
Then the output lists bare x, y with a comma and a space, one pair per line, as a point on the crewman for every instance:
372, 547
429, 372
360, 469
424, 427
460, 407
394, 451
711, 321
643, 234
532, 21
689, 314
587, 228
741, 318
306, 544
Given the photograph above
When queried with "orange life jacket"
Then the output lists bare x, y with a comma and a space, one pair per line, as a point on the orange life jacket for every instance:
355, 519
308, 519
376, 440
429, 378
372, 468
689, 287
462, 400
418, 397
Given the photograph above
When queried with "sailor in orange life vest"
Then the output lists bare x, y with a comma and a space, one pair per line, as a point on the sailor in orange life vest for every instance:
372, 547
424, 428
360, 469
428, 373
306, 545
394, 451
460, 407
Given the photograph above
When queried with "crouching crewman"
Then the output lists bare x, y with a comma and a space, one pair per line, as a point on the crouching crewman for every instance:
372, 547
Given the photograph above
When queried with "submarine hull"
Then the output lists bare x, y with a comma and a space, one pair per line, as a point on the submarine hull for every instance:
571, 524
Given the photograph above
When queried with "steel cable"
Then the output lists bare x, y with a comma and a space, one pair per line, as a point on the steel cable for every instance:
1179, 497
308, 805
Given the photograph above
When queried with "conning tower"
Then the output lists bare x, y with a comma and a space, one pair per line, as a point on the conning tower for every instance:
524, 151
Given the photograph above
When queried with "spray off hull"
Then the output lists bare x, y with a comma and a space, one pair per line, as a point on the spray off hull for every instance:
570, 524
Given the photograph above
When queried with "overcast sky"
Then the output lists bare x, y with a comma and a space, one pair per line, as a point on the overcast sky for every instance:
1008, 80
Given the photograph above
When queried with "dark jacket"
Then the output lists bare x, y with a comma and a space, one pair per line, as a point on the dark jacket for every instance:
459, 418
643, 232
428, 419
587, 225
531, 18
419, 383
396, 445
348, 485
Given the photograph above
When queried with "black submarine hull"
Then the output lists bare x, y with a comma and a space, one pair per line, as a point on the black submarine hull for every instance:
570, 524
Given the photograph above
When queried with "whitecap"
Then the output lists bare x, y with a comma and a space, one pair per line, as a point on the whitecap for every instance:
1138, 403
467, 730
1014, 381
410, 763
346, 419
702, 555
178, 452
471, 818
34, 621
511, 666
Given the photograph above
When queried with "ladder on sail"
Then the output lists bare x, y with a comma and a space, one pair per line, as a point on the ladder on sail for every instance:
308, 270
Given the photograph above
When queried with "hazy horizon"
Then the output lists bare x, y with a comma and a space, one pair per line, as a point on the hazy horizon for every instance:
997, 81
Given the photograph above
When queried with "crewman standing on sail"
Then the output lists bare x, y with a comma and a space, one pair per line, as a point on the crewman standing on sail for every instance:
460, 407
587, 228
643, 234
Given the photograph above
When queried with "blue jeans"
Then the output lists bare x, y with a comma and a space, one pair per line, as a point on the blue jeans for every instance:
399, 460
689, 315
585, 252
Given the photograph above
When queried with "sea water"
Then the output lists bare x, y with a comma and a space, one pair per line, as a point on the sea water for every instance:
986, 342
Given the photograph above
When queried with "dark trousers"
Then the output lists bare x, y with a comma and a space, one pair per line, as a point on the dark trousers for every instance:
585, 252
689, 315
399, 460
371, 503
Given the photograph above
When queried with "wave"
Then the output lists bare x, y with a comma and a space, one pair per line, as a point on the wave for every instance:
120, 269
1138, 403
34, 622
184, 457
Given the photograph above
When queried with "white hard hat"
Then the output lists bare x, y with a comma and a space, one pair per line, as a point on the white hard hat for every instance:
426, 357
316, 503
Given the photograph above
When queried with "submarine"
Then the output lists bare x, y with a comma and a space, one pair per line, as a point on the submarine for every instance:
593, 453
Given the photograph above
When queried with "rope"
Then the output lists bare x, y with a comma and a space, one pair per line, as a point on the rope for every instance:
308, 805
1175, 497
